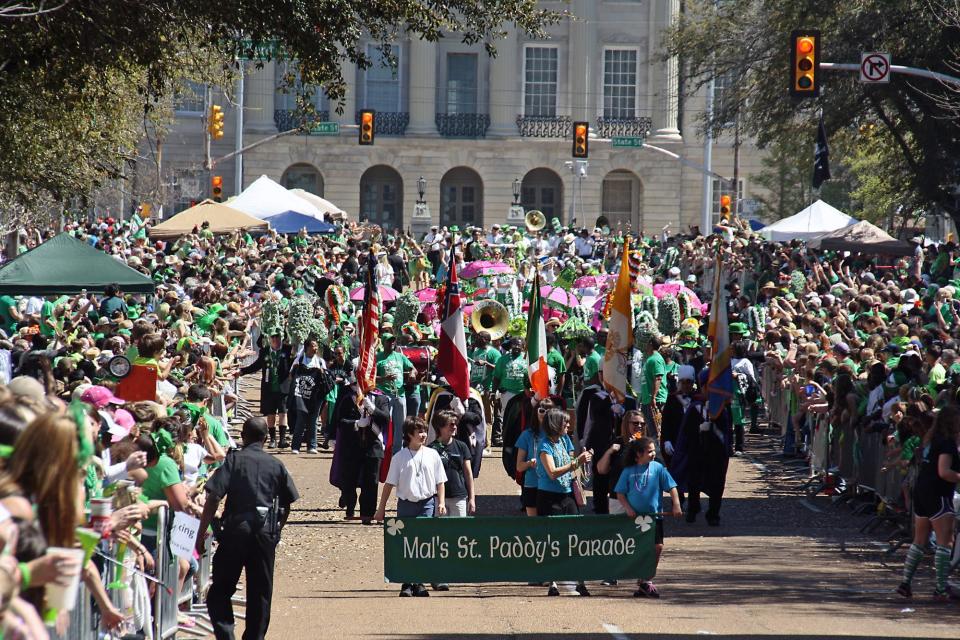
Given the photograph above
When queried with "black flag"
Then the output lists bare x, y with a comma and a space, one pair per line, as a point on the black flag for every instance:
821, 157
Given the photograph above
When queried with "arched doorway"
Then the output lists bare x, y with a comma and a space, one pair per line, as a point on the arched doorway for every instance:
542, 189
381, 197
303, 176
461, 198
621, 200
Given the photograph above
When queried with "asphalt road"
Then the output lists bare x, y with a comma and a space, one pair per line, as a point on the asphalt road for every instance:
775, 567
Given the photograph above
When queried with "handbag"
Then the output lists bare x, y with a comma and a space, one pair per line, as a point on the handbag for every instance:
578, 494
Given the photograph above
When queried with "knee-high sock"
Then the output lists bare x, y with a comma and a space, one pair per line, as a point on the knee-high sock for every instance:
941, 562
914, 556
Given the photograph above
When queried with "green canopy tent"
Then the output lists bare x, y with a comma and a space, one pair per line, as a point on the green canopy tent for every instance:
65, 265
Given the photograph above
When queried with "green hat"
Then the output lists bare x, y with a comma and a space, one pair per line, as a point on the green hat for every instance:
739, 328
387, 336
689, 344
454, 229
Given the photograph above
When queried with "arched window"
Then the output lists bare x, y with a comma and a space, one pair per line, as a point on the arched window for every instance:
381, 197
542, 189
461, 198
303, 176
621, 201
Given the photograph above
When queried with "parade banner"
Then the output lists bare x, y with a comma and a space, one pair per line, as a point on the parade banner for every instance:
518, 549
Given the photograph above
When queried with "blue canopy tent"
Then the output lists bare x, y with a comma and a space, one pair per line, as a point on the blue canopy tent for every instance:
292, 222
755, 225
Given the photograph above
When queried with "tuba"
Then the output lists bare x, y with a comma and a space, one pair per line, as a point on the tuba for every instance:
490, 316
535, 220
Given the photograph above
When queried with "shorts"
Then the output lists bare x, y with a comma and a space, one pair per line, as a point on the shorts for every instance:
932, 507
272, 403
528, 496
659, 532
551, 503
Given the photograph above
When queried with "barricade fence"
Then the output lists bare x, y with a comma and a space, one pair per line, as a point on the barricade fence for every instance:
128, 589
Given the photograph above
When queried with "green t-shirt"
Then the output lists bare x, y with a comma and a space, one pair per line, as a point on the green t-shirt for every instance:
6, 320
938, 374
46, 312
555, 360
510, 373
591, 365
654, 367
481, 377
160, 476
394, 364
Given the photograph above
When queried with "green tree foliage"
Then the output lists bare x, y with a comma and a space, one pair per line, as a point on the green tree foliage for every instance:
750, 38
80, 81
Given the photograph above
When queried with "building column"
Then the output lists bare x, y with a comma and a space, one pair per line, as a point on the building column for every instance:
260, 88
668, 107
349, 70
583, 60
423, 87
504, 87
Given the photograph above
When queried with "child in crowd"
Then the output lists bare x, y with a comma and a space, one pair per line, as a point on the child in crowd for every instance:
639, 490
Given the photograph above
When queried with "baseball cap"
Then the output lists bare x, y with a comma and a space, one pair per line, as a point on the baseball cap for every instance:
100, 397
674, 271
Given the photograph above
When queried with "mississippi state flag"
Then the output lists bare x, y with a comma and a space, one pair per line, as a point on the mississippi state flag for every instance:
452, 360
369, 330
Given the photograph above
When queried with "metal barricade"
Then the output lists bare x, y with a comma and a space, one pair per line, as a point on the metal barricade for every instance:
164, 598
84, 622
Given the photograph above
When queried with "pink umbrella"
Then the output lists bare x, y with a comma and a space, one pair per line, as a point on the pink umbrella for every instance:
427, 295
387, 294
479, 268
673, 288
592, 281
558, 296
548, 312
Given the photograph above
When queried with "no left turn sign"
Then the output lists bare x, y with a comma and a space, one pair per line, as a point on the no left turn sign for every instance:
874, 67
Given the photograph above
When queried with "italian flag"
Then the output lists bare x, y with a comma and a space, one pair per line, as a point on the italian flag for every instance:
537, 343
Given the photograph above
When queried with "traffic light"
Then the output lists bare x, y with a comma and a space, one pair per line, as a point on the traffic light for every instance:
805, 64
216, 188
367, 122
215, 124
725, 206
581, 139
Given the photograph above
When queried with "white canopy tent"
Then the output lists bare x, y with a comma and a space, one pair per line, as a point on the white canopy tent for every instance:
816, 220
265, 198
325, 206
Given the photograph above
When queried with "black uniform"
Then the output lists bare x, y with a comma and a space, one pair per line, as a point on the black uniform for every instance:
257, 488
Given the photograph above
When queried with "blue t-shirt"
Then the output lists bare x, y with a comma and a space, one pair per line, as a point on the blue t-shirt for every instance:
530, 442
644, 485
560, 452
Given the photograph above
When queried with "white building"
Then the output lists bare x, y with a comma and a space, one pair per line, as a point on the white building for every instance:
471, 125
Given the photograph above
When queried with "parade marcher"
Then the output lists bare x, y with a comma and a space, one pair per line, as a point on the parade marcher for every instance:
459, 491
509, 378
359, 449
310, 385
483, 362
393, 368
274, 361
259, 492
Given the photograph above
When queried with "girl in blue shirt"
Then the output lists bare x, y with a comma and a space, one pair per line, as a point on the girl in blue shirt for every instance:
527, 446
639, 490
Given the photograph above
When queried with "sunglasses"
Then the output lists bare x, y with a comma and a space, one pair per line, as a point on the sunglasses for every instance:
541, 410
636, 424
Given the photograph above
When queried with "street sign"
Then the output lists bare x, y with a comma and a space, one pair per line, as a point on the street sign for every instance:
627, 142
874, 67
326, 129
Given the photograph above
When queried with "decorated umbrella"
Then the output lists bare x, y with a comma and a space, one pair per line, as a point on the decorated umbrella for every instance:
387, 294
427, 295
593, 281
558, 296
480, 268
674, 288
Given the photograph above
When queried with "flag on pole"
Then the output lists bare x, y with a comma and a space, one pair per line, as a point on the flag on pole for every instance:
452, 360
720, 378
821, 157
369, 330
537, 343
616, 359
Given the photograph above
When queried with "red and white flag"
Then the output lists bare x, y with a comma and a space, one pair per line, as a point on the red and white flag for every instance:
369, 330
452, 360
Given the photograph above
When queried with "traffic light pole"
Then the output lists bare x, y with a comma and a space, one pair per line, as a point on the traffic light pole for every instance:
894, 68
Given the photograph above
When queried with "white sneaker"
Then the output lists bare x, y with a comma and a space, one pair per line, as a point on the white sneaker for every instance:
311, 450
295, 451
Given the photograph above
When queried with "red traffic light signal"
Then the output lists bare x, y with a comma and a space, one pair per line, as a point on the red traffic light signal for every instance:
216, 188
367, 126
725, 206
581, 139
805, 64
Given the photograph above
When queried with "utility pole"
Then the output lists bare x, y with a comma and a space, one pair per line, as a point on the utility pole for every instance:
706, 213
207, 160
238, 163
736, 166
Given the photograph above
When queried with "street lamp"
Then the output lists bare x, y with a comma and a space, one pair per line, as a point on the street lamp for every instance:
516, 191
421, 189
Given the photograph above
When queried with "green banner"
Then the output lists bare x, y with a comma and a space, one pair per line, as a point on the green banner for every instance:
518, 549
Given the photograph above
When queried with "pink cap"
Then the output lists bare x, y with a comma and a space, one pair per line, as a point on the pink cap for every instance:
100, 397
123, 422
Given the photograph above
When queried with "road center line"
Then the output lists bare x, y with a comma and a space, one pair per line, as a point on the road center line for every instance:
615, 631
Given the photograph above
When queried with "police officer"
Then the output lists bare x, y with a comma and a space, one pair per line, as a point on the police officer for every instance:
259, 492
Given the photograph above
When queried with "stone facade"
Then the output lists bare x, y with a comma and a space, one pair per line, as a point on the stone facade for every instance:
471, 178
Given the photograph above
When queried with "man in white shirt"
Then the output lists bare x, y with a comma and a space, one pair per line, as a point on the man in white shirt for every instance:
434, 242
584, 245
495, 237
